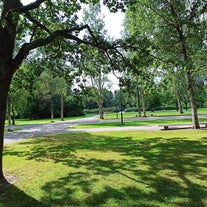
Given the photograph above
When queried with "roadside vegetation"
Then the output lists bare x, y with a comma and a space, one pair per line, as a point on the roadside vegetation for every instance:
110, 169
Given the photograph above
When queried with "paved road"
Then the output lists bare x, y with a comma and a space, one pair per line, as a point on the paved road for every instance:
33, 130
29, 131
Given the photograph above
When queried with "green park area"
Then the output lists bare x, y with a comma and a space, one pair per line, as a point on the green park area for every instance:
103, 103
108, 169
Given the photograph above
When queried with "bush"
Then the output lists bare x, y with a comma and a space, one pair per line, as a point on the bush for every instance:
91, 111
131, 109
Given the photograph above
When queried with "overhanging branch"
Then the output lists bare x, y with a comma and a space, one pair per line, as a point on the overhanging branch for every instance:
67, 34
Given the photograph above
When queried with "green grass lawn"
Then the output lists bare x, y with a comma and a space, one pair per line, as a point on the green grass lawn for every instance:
110, 169
134, 114
155, 113
127, 115
44, 121
138, 123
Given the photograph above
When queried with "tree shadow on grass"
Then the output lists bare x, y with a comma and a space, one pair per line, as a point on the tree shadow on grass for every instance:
11, 196
155, 171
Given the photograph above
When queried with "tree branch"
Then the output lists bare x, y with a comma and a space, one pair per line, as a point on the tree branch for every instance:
67, 34
32, 6
34, 21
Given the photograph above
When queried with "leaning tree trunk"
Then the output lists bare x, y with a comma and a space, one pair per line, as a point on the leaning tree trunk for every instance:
195, 121
5, 81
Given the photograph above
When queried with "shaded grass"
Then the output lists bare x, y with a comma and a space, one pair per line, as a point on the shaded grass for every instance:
138, 123
110, 169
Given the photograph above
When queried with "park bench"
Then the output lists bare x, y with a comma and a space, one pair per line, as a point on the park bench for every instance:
177, 126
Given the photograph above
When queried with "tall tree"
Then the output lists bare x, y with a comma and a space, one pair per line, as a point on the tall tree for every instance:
178, 31
95, 72
95, 62
46, 89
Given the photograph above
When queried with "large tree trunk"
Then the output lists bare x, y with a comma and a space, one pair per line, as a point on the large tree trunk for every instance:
7, 65
9, 113
5, 81
101, 110
195, 121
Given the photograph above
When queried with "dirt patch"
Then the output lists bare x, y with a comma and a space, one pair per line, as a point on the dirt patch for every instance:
11, 178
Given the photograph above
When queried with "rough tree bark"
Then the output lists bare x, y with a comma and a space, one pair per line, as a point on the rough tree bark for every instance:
7, 65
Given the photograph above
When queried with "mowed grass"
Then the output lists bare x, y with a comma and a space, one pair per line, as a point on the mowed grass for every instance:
155, 113
127, 115
148, 113
138, 123
110, 169
44, 121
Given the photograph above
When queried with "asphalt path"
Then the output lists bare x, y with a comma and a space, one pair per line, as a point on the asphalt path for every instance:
34, 130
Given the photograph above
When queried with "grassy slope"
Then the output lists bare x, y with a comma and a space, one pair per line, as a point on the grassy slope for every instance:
110, 169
